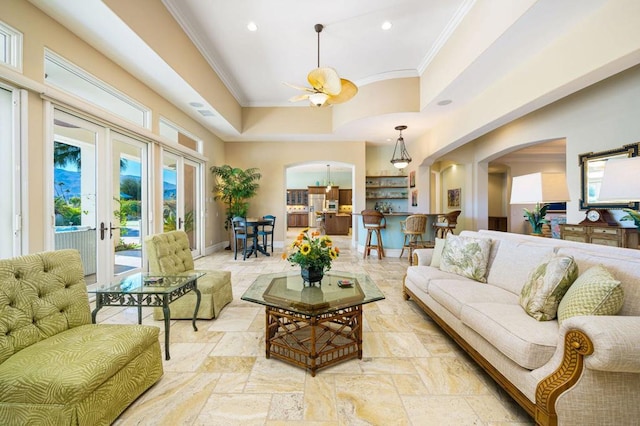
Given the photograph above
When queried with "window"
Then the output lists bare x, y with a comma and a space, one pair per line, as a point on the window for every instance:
68, 77
10, 47
179, 136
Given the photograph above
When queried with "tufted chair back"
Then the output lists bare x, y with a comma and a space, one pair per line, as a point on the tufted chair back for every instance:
169, 253
41, 295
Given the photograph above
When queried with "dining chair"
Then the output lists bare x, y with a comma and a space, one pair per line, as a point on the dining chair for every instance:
266, 231
243, 233
446, 223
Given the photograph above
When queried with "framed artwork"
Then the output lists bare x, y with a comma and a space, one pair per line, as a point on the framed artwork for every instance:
412, 179
414, 198
453, 197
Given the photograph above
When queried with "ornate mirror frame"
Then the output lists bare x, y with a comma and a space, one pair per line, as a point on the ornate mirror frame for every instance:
591, 168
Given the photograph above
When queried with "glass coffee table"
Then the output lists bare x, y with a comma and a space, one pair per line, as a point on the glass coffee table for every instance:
142, 289
313, 326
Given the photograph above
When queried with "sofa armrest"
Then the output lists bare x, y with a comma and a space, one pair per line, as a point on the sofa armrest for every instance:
424, 256
616, 341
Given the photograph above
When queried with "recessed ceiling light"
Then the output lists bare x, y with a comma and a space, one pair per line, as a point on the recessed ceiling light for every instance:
445, 102
251, 26
196, 104
386, 25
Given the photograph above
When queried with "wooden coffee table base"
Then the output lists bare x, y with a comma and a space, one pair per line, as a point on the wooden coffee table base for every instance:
314, 341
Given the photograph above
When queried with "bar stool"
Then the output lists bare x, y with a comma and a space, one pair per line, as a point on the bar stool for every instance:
373, 221
446, 223
413, 228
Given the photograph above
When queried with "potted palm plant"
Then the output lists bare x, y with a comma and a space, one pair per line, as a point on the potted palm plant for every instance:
234, 186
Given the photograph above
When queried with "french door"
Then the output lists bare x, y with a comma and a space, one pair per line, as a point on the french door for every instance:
99, 196
181, 200
10, 161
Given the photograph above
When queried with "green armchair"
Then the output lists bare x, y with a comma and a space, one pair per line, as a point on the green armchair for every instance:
55, 366
169, 253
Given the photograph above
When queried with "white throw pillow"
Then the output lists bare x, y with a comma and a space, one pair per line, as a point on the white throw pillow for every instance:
437, 252
466, 256
546, 285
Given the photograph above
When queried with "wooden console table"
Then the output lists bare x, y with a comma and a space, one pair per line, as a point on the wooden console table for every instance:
614, 236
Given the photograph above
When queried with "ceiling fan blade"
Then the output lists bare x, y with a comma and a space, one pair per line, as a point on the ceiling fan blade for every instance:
306, 89
325, 80
298, 98
348, 91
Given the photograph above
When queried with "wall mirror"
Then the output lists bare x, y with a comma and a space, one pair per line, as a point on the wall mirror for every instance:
591, 169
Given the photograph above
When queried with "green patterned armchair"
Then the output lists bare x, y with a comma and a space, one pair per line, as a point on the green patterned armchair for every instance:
55, 366
170, 253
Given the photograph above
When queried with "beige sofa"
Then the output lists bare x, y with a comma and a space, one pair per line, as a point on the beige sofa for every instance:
585, 371
56, 368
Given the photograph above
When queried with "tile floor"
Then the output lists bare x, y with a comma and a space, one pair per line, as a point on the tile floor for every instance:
411, 372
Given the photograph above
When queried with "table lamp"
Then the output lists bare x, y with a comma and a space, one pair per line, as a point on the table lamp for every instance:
539, 189
621, 184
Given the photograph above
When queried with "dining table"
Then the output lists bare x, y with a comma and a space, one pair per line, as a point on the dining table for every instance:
256, 223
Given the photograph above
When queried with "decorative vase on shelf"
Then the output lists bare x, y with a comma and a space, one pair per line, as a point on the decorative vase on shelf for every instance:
312, 275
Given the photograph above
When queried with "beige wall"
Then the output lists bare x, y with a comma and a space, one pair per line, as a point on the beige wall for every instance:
272, 159
601, 117
40, 31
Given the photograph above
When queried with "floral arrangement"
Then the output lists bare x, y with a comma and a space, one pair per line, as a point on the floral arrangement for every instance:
536, 217
312, 251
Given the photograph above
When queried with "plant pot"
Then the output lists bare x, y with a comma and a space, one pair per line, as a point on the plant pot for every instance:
312, 275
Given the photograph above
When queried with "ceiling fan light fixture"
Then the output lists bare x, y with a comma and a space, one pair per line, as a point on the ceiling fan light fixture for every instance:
318, 99
401, 157
327, 88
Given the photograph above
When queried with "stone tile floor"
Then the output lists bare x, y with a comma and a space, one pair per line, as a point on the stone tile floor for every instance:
411, 372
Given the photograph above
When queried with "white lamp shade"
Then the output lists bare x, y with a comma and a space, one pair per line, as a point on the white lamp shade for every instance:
539, 188
621, 180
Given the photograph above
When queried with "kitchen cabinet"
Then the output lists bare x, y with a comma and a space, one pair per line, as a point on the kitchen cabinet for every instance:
344, 197
297, 197
297, 220
332, 194
337, 224
614, 236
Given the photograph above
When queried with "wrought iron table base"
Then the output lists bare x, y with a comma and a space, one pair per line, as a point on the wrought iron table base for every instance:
141, 300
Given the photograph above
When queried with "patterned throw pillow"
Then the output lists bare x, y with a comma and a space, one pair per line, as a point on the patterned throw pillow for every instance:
546, 285
466, 256
436, 257
595, 292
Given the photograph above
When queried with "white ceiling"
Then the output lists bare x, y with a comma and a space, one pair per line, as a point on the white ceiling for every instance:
254, 65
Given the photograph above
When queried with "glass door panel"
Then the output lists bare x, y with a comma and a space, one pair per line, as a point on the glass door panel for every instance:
190, 206
181, 192
74, 189
169, 191
129, 195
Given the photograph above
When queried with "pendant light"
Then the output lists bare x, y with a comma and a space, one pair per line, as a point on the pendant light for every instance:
402, 159
328, 178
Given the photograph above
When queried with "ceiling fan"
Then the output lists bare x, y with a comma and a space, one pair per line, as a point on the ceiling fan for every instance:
327, 88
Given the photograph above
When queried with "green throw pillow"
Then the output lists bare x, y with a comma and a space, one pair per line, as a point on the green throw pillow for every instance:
466, 256
595, 292
546, 285
436, 257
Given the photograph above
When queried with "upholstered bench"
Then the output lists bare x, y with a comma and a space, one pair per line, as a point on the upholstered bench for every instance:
169, 253
56, 368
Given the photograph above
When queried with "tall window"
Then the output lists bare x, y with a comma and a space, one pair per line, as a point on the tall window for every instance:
72, 79
10, 47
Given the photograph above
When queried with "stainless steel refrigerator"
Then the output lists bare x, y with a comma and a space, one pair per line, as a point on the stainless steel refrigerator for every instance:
316, 204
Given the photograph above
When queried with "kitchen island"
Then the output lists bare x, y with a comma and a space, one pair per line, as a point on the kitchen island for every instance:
392, 236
